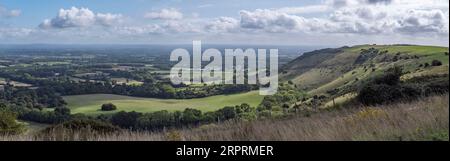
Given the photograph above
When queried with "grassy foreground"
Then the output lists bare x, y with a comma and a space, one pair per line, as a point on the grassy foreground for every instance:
90, 104
425, 119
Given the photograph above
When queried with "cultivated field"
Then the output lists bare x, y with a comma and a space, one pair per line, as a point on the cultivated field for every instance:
90, 104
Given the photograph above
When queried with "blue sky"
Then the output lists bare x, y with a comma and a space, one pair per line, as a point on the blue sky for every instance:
301, 22
33, 12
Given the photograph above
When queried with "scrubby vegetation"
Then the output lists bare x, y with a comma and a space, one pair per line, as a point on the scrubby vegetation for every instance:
108, 107
8, 123
388, 88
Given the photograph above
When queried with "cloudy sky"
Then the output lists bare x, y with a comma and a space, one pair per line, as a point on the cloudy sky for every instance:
284, 22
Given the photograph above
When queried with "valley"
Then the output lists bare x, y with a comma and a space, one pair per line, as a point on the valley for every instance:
109, 91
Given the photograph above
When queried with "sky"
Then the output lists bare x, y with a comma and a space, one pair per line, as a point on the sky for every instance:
277, 22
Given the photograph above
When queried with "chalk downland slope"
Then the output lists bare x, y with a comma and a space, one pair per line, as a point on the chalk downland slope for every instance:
340, 70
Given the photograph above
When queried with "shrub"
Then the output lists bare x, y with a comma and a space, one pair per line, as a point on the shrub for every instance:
436, 63
82, 124
390, 76
372, 94
388, 88
226, 113
382, 89
108, 107
127, 120
62, 110
191, 116
49, 117
8, 123
156, 120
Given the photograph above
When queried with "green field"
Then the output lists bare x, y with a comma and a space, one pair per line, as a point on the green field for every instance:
90, 104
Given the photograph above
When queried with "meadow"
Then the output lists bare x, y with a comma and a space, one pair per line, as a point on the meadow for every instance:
90, 104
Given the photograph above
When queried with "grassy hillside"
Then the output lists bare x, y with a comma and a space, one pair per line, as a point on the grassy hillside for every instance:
90, 104
340, 70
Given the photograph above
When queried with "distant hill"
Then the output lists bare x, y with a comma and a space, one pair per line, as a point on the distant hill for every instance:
338, 71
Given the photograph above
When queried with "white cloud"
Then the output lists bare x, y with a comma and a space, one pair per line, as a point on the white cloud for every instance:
165, 14
6, 13
138, 30
353, 20
364, 17
14, 32
305, 9
422, 21
346, 3
80, 17
270, 21
223, 24
168, 27
108, 19
177, 27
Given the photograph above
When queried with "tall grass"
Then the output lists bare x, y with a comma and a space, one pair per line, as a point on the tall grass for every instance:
424, 119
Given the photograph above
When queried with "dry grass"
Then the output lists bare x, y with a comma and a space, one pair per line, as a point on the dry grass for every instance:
425, 119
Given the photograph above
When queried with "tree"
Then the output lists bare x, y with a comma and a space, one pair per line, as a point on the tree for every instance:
81, 124
243, 108
8, 123
191, 116
108, 107
62, 111
156, 120
127, 120
227, 113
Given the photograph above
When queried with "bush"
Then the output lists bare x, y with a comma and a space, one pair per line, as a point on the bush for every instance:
382, 89
62, 110
108, 107
372, 94
48, 117
8, 123
226, 113
127, 120
436, 63
388, 88
390, 77
156, 120
191, 116
85, 124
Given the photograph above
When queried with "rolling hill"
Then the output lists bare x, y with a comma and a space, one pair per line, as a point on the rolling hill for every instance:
338, 71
